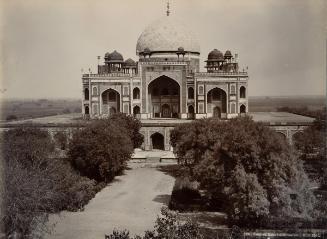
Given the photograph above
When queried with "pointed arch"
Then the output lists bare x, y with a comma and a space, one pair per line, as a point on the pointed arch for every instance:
190, 92
136, 93
86, 94
242, 109
242, 92
158, 141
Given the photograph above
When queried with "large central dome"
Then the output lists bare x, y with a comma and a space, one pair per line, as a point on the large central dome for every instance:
167, 34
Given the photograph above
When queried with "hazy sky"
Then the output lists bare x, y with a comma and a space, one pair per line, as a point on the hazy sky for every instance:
46, 43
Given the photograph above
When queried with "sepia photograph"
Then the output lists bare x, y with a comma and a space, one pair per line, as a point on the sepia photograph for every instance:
163, 119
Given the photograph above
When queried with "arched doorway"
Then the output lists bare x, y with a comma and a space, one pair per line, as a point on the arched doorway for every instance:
217, 103
216, 112
136, 110
165, 111
164, 97
243, 109
112, 111
110, 102
87, 110
158, 141
191, 111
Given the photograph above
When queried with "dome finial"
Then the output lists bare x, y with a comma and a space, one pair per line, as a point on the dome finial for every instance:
168, 8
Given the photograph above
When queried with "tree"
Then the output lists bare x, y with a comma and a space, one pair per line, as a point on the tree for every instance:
35, 185
133, 126
101, 149
27, 145
245, 167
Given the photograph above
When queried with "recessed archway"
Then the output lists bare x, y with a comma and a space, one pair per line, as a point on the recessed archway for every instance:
217, 102
136, 93
242, 92
110, 102
165, 111
164, 97
191, 112
87, 110
190, 93
242, 109
112, 110
136, 110
86, 94
216, 112
158, 141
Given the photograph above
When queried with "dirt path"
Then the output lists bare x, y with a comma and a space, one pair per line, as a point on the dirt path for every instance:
132, 201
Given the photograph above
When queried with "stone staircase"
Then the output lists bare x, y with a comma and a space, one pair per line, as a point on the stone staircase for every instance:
153, 159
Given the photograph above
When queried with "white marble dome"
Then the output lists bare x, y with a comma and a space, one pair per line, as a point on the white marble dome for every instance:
167, 34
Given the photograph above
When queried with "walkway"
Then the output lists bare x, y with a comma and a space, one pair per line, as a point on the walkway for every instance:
131, 202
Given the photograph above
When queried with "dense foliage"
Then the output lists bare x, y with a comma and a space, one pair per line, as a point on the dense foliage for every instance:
36, 184
100, 150
132, 125
61, 139
246, 169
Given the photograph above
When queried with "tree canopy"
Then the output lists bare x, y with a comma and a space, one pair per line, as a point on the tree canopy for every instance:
245, 168
35, 184
101, 149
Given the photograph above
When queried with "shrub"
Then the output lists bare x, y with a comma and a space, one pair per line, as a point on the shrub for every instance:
168, 226
101, 149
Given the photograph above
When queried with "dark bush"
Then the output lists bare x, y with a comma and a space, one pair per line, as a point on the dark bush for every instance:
11, 117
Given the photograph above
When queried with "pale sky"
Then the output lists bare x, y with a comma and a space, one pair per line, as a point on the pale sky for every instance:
46, 43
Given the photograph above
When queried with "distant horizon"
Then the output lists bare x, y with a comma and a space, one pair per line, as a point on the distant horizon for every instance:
251, 96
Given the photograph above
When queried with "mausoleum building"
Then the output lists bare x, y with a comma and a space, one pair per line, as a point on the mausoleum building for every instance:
165, 82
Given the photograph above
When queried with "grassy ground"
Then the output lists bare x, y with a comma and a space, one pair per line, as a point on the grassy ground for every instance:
266, 104
26, 109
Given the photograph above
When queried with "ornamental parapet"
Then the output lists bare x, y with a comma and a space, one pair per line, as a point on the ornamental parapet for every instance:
223, 73
109, 75
152, 62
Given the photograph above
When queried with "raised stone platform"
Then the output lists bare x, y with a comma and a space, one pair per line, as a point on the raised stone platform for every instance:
272, 118
287, 124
